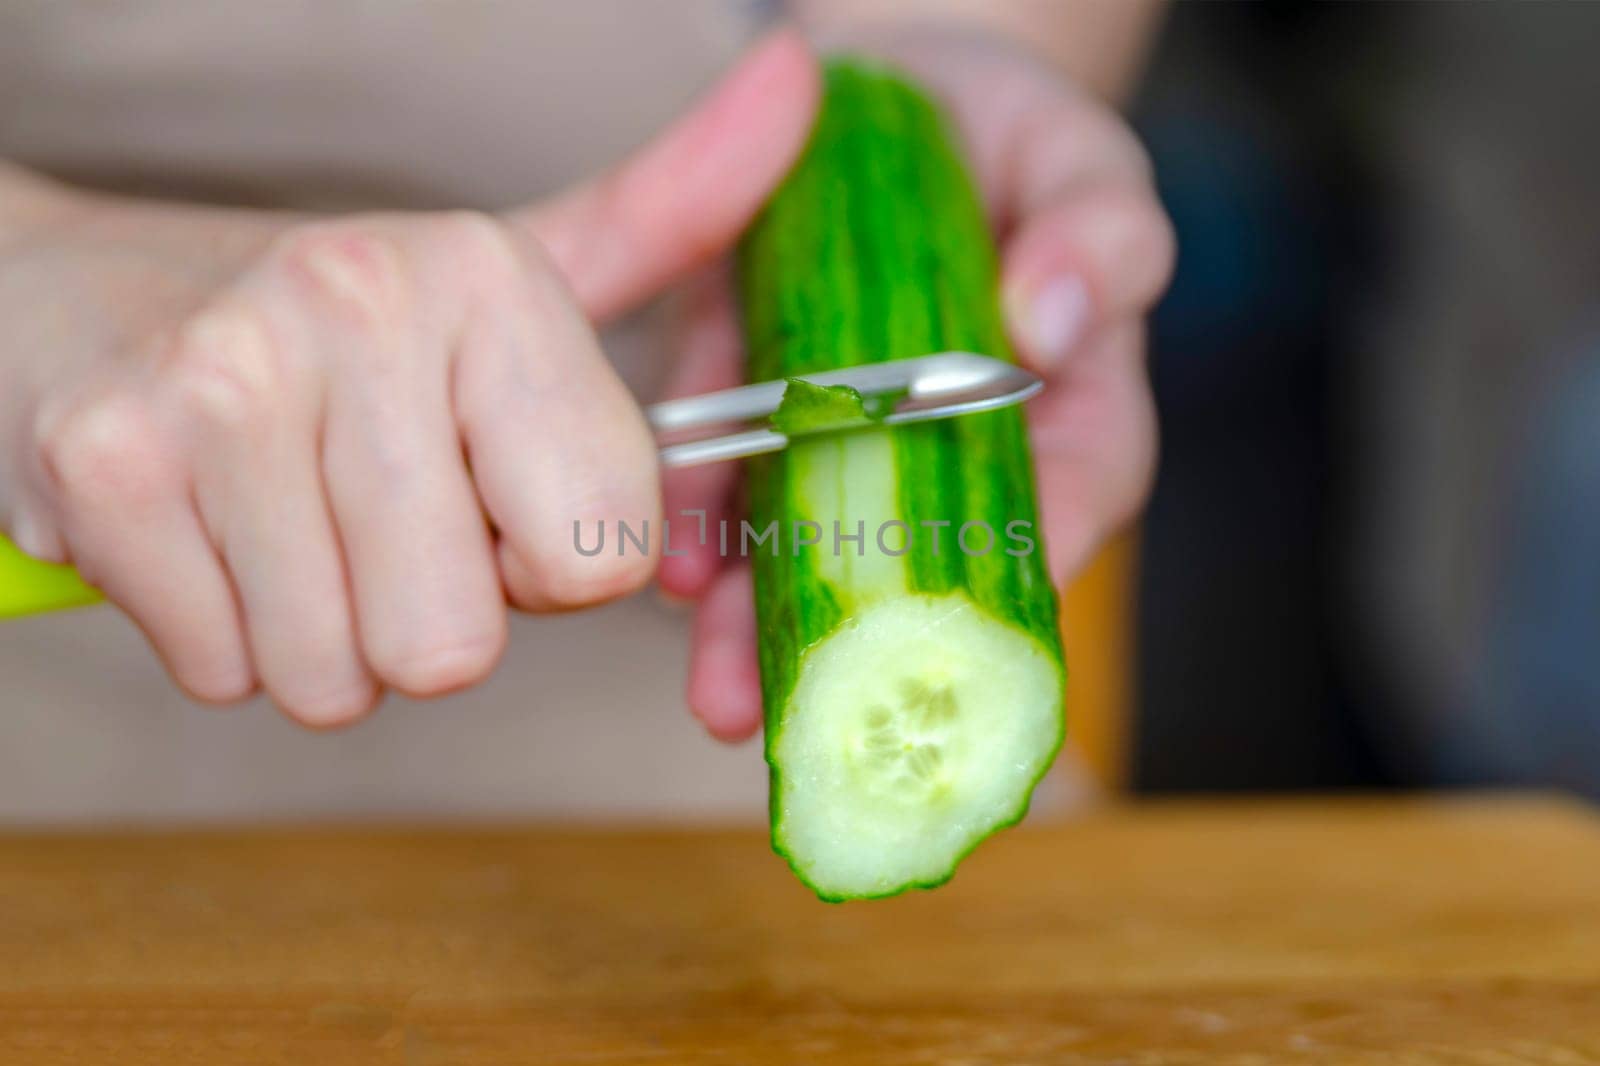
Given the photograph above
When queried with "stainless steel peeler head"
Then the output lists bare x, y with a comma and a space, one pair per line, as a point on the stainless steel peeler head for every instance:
725, 425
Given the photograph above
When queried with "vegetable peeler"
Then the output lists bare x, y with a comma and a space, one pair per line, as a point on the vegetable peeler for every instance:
709, 428
913, 390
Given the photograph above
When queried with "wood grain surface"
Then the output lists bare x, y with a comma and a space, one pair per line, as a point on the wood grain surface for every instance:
1461, 932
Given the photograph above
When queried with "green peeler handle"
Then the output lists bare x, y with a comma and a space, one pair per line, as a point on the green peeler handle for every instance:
28, 586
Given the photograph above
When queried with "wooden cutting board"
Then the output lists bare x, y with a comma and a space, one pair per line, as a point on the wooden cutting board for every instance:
1369, 932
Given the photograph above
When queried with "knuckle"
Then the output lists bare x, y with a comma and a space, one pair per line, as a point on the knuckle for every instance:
1148, 243
217, 687
1127, 152
1144, 226
1161, 243
478, 247
472, 230
1137, 242
108, 449
1114, 144
440, 667
229, 368
1127, 205
349, 267
567, 582
331, 708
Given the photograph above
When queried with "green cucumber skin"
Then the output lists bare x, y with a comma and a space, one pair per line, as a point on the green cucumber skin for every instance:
875, 248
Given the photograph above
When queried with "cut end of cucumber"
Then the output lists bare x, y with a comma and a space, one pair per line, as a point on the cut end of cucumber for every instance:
915, 730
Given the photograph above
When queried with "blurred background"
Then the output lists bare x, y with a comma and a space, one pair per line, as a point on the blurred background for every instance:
1373, 554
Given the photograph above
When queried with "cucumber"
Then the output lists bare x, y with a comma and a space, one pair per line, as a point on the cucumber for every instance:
912, 690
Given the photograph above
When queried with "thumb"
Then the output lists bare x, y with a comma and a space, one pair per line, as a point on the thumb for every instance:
684, 198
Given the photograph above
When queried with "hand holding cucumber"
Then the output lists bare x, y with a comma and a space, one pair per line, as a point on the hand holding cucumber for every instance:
1085, 250
320, 457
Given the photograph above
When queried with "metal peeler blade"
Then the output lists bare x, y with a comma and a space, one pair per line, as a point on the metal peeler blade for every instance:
933, 386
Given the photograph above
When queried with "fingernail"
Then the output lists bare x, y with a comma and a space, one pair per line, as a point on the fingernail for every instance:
31, 539
1053, 318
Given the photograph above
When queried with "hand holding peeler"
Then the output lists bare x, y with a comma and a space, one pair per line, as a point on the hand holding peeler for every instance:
710, 428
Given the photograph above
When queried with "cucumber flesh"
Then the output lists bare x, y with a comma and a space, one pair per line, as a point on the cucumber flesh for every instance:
911, 732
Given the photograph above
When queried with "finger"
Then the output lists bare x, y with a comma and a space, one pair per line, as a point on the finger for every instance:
428, 604
684, 198
697, 498
134, 533
558, 449
1098, 252
1094, 439
1026, 133
260, 493
279, 543
36, 535
724, 679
